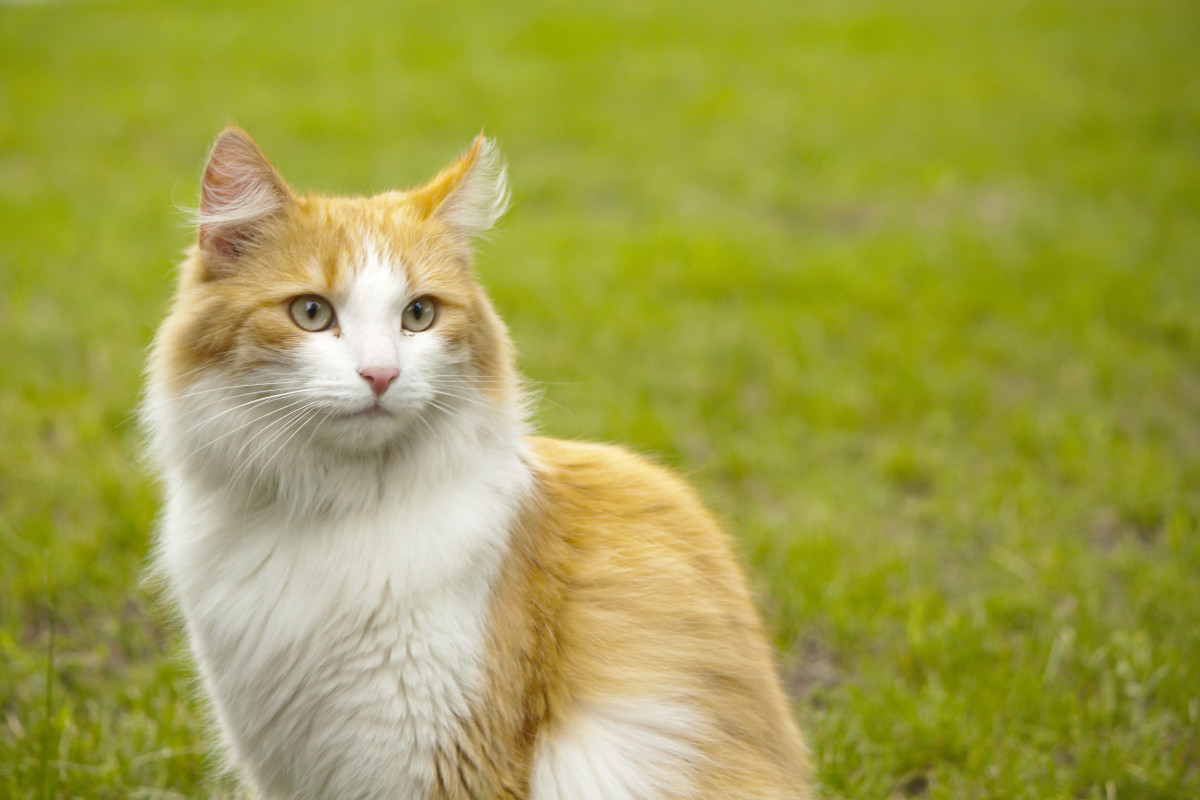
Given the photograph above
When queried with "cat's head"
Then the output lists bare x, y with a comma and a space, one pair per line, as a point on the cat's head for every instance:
348, 322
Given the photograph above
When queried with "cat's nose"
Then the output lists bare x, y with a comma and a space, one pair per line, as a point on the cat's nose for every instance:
379, 378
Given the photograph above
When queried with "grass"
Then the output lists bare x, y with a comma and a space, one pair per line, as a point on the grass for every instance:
909, 290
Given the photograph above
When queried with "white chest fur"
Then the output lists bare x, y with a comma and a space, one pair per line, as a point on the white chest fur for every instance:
339, 652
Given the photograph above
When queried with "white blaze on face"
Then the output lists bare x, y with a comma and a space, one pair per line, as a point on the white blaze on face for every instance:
369, 337
371, 320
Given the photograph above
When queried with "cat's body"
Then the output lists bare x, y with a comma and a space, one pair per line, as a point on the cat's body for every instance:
391, 590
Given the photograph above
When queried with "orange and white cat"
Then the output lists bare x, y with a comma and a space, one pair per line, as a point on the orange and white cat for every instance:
390, 588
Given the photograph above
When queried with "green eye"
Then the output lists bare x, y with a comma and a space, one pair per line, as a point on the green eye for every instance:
419, 315
311, 313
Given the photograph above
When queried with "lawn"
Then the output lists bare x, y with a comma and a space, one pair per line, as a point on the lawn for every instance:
909, 290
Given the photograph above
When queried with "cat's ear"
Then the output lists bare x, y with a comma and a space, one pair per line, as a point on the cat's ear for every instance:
471, 194
239, 192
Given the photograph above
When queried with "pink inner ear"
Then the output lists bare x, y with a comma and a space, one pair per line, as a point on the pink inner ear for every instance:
239, 190
218, 244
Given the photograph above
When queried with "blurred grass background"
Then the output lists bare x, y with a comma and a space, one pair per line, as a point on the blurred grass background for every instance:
909, 290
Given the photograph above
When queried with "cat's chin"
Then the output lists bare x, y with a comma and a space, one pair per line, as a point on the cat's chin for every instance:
374, 412
365, 430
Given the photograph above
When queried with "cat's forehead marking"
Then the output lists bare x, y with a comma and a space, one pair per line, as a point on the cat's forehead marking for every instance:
377, 276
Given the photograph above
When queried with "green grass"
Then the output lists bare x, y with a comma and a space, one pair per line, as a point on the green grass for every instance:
909, 289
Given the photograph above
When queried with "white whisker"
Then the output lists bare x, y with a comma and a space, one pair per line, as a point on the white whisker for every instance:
247, 424
296, 425
246, 464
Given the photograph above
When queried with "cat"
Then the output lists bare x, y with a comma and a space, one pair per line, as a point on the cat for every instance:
391, 589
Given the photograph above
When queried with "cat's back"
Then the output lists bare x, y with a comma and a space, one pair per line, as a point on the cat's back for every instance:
659, 650
629, 521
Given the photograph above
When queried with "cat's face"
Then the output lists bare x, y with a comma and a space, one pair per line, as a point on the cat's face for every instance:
345, 322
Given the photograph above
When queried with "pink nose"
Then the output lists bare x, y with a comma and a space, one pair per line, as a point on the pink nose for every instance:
380, 378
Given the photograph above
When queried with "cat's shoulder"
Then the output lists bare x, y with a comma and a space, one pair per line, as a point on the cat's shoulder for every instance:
598, 462
607, 493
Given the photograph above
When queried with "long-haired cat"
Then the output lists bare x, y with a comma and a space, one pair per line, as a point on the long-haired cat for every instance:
390, 588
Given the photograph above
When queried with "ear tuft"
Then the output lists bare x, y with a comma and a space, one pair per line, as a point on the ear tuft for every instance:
240, 189
472, 194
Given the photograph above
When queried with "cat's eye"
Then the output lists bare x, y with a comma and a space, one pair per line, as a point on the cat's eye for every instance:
419, 315
311, 313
